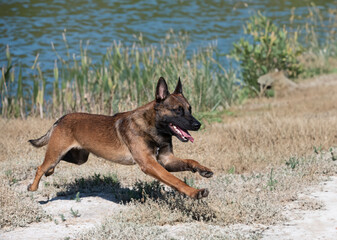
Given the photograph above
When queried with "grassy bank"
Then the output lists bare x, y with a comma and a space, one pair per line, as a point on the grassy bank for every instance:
125, 77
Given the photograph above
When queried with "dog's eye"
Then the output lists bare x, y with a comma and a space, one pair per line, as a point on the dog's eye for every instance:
179, 110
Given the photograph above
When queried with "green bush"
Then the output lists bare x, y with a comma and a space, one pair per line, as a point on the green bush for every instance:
267, 47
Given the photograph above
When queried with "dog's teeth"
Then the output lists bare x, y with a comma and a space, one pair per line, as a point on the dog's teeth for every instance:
178, 132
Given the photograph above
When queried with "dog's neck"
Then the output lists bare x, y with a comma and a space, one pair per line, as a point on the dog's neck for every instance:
148, 114
149, 125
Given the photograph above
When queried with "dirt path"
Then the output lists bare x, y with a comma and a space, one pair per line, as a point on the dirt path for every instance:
92, 210
318, 224
313, 224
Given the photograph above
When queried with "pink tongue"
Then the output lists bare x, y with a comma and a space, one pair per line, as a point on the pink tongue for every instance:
186, 135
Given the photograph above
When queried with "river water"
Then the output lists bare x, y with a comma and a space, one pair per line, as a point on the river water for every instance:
29, 27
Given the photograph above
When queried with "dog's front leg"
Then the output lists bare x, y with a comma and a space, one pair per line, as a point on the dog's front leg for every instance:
174, 164
150, 166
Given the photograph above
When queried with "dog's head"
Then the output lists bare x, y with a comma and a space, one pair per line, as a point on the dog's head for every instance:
174, 113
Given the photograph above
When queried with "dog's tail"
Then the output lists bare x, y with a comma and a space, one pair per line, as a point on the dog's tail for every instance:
40, 142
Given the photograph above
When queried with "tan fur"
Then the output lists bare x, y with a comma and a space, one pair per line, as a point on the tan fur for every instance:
125, 138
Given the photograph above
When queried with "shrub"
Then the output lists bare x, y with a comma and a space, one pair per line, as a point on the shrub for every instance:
266, 48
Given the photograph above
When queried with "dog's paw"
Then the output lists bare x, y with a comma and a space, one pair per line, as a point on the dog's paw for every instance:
206, 174
29, 188
202, 193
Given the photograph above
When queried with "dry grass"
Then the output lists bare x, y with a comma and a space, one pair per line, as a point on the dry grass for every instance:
248, 152
268, 131
248, 199
17, 209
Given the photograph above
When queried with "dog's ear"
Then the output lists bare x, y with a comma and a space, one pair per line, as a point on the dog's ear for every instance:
161, 90
179, 88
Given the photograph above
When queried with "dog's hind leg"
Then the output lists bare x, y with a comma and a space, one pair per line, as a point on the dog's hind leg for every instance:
50, 161
55, 150
76, 156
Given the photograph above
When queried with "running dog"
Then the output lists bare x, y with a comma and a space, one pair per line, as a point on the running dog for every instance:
142, 136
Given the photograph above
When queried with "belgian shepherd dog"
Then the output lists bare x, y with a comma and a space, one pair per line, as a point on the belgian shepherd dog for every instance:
142, 136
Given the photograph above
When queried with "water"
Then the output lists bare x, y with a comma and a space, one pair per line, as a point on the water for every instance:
29, 27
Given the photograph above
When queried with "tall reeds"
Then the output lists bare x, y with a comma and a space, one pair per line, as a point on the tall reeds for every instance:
318, 35
11, 89
122, 79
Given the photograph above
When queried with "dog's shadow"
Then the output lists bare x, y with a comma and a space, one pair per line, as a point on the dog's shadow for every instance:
108, 188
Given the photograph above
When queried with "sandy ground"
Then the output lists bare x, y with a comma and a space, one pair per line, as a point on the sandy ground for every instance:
319, 224
314, 224
92, 210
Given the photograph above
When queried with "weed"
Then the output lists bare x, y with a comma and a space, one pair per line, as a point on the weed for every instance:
232, 170
144, 190
271, 181
292, 162
97, 178
318, 150
111, 179
63, 219
77, 197
75, 213
10, 175
333, 157
46, 184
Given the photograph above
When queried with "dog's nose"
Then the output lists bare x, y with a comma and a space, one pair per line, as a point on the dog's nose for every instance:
196, 125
